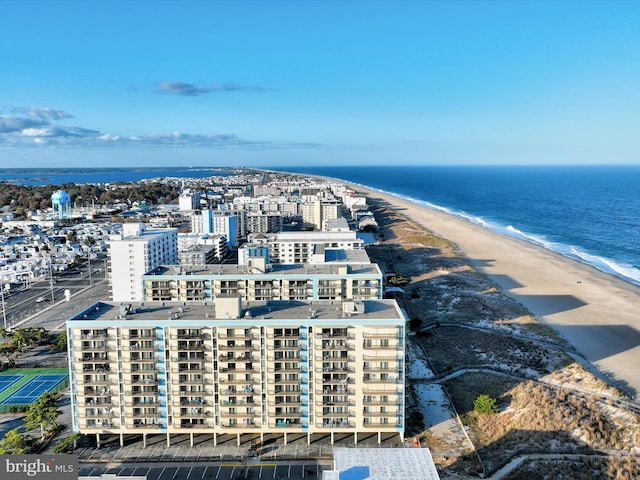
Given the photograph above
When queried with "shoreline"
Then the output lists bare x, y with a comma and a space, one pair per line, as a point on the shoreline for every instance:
594, 310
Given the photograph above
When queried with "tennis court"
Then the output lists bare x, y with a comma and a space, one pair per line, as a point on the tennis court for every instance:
31, 391
7, 380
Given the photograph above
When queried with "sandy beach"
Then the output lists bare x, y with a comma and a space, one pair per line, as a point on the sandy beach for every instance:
596, 312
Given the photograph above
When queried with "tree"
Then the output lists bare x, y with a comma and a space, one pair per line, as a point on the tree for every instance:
42, 413
14, 443
61, 344
485, 404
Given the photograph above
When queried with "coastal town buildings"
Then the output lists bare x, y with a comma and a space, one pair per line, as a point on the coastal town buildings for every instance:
301, 247
293, 338
220, 222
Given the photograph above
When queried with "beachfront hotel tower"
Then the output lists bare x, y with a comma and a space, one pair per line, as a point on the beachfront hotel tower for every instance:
133, 253
228, 367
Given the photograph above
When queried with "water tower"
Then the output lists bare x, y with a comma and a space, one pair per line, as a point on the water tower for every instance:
61, 204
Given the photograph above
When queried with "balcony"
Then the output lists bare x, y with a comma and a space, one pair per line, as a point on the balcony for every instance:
335, 390
333, 381
94, 348
188, 403
141, 360
239, 370
188, 336
139, 336
201, 347
247, 390
336, 403
337, 346
335, 414
380, 403
226, 414
194, 426
382, 358
149, 390
95, 381
94, 359
91, 392
247, 357
373, 346
239, 336
389, 369
186, 414
143, 381
338, 369
376, 390
189, 381
94, 414
153, 426
284, 403
240, 426
382, 425
142, 404
101, 426
230, 403
140, 371
285, 370
93, 336
336, 335
283, 381
236, 381
389, 335
293, 423
152, 415
337, 423
283, 336
89, 402
191, 368
249, 348
390, 379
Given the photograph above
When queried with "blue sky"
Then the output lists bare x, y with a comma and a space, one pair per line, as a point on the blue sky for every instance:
269, 83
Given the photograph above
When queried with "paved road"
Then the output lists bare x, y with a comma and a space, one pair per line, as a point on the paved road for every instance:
22, 307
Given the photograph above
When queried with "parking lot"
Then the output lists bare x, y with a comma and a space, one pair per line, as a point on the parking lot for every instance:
271, 448
250, 469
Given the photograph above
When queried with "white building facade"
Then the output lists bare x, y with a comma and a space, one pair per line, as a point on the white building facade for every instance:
136, 251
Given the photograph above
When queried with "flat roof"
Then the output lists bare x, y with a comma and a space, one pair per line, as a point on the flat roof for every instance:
318, 310
382, 464
298, 269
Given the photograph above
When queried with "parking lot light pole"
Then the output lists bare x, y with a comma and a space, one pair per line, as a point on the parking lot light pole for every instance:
53, 299
4, 312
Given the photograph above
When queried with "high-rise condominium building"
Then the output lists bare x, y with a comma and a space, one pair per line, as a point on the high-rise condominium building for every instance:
134, 252
227, 367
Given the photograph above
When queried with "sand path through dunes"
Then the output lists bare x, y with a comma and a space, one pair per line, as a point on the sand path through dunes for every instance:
598, 313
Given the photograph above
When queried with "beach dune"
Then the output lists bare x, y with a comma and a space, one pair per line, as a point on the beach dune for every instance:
598, 313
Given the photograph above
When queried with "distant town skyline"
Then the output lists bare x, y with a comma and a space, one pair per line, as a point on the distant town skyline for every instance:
279, 83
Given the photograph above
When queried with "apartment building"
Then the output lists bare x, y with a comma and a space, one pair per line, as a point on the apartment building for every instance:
134, 252
259, 281
299, 247
231, 367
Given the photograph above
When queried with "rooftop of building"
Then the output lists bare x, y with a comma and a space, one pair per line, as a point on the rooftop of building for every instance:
271, 310
382, 464
301, 269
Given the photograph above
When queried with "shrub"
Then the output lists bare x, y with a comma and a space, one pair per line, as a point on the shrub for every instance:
66, 445
485, 404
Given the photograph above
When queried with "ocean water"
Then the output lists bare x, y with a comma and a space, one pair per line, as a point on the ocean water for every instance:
588, 213
60, 176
